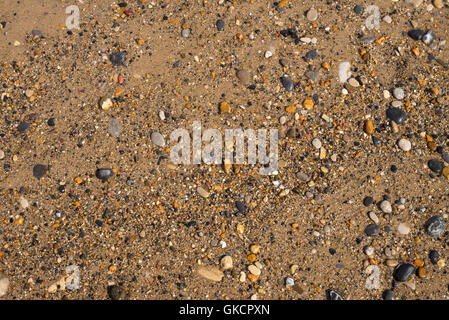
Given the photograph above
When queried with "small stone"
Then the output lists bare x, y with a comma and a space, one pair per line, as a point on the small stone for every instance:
373, 217
398, 93
255, 249
396, 115
385, 206
445, 172
405, 145
185, 33
312, 14
39, 171
308, 103
416, 34
427, 37
103, 173
422, 272
210, 273
311, 55
226, 263
368, 201
289, 282
358, 9
225, 107
317, 143
434, 256
369, 127
446, 157
202, 192
287, 83
23, 127
4, 285
344, 71
105, 103
303, 177
23, 203
268, 54
220, 24
254, 270
353, 83
2, 154
157, 139
435, 165
387, 19
372, 230
435, 226
403, 272
369, 250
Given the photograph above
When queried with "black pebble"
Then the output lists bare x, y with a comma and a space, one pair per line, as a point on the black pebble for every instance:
403, 272
397, 115
416, 34
287, 83
220, 25
435, 165
118, 58
367, 201
23, 127
103, 174
39, 170
51, 122
388, 295
434, 256
372, 230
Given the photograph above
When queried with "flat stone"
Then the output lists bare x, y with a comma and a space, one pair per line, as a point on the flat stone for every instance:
312, 14
385, 206
243, 76
202, 192
39, 171
210, 273
103, 173
254, 270
435, 165
397, 115
287, 83
4, 285
372, 230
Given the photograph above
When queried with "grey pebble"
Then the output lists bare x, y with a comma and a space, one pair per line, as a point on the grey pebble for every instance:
157, 139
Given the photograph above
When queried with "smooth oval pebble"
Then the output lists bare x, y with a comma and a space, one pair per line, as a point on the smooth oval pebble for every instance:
398, 93
435, 165
254, 270
243, 76
397, 115
220, 24
4, 285
388, 295
435, 226
157, 139
202, 192
403, 272
103, 173
405, 145
385, 206
372, 230
312, 14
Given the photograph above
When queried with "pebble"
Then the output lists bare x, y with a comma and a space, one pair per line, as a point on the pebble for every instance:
105, 103
23, 127
226, 263
287, 83
403, 272
435, 226
157, 139
103, 173
2, 154
368, 201
434, 256
23, 203
397, 115
220, 24
369, 250
435, 165
405, 145
311, 55
254, 270
385, 206
373, 217
289, 282
185, 33
312, 14
358, 9
398, 93
255, 249
202, 192
369, 127
210, 273
372, 230
4, 285
303, 177
317, 143
427, 37
438, 4
445, 157
344, 71
387, 19
353, 82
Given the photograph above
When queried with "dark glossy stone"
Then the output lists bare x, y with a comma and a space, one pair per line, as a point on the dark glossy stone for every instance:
434, 256
372, 230
403, 272
287, 83
397, 115
435, 226
367, 201
416, 34
103, 174
435, 165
